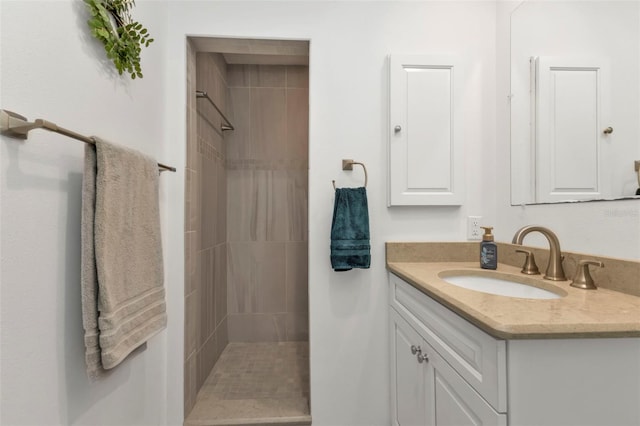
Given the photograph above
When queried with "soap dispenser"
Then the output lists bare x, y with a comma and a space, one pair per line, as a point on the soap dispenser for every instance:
488, 250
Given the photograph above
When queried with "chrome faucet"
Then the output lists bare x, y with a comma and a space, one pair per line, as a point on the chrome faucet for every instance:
554, 267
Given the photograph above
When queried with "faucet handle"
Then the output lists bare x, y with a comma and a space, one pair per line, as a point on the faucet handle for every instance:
583, 278
529, 267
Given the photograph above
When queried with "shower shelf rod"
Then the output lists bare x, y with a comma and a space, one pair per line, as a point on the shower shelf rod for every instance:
225, 126
16, 126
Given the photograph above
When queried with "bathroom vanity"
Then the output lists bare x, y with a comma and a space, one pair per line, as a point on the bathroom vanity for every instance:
462, 357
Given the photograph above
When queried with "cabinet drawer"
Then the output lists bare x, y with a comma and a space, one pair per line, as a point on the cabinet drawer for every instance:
478, 357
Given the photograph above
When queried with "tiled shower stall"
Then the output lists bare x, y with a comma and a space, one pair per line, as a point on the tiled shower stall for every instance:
246, 239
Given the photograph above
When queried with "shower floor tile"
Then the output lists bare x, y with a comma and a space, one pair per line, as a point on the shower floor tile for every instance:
256, 384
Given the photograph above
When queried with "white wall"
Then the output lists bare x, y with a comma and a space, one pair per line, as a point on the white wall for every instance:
348, 119
52, 68
607, 228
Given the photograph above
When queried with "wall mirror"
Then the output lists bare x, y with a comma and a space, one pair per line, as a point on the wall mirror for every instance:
575, 101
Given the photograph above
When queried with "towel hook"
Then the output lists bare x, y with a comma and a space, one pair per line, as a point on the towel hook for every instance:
347, 164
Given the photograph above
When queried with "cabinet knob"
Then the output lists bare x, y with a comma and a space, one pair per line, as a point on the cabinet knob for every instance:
422, 358
397, 128
415, 349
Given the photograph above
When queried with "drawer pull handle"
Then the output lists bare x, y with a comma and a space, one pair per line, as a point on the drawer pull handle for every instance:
415, 349
422, 358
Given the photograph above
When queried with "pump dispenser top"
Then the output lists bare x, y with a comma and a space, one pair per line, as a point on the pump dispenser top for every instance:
488, 236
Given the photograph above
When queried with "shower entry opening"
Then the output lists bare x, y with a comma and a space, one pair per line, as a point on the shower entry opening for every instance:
246, 232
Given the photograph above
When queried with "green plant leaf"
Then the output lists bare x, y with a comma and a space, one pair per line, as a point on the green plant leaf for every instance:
102, 32
123, 42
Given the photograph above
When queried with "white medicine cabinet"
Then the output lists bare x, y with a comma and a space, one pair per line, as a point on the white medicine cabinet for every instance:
425, 131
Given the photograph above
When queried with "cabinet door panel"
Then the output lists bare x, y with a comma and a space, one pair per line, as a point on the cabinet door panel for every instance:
457, 403
569, 124
409, 378
425, 141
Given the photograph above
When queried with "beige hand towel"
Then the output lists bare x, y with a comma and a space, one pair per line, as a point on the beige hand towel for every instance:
123, 298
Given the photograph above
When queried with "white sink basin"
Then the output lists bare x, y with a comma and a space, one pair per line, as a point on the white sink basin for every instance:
499, 286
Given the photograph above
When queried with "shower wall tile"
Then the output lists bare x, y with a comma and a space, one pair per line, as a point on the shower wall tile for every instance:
191, 62
297, 272
297, 124
200, 373
208, 202
208, 124
256, 75
190, 332
257, 327
192, 134
297, 205
298, 76
239, 141
221, 205
211, 79
209, 121
211, 76
297, 326
207, 290
268, 123
268, 76
220, 283
192, 205
252, 208
191, 107
222, 337
243, 206
239, 75
267, 205
288, 201
191, 273
192, 323
216, 137
221, 67
205, 222
208, 357
256, 272
190, 383
278, 204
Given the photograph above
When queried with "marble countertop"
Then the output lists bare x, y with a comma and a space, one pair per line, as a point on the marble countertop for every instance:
579, 314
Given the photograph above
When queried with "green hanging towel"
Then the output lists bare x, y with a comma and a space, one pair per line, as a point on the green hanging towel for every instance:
350, 247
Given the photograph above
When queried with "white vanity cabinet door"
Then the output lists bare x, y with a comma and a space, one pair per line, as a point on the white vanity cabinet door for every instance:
409, 378
425, 130
457, 403
431, 392
570, 118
